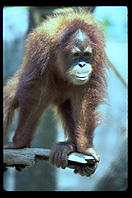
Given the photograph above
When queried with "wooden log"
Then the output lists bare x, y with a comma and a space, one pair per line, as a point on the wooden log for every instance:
27, 157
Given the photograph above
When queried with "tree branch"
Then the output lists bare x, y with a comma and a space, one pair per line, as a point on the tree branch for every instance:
27, 157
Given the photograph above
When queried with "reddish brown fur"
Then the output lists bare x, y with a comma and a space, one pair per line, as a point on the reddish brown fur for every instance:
40, 83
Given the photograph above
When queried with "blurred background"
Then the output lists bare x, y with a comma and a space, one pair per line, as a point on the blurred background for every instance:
110, 137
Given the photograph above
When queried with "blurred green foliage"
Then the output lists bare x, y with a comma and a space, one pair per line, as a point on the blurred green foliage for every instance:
106, 24
25, 7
